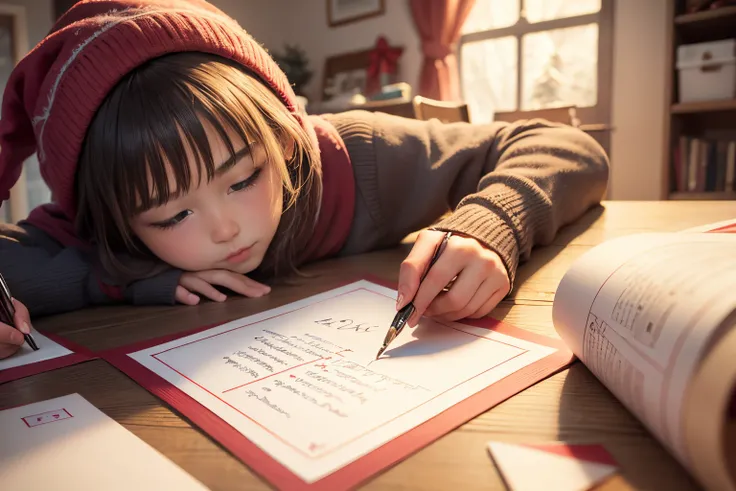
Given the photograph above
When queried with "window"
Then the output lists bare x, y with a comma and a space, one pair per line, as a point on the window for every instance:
526, 55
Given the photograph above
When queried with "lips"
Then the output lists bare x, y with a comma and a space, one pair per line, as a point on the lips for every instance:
240, 255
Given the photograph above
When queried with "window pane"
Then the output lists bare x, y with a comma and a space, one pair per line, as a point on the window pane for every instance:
560, 67
489, 71
491, 14
539, 10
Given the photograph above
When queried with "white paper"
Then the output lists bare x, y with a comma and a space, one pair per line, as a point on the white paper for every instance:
299, 380
68, 444
550, 471
47, 349
639, 311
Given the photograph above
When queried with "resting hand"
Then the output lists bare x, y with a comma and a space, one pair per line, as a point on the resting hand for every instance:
193, 284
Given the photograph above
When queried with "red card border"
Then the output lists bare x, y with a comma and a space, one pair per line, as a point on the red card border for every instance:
729, 228
79, 354
377, 460
594, 453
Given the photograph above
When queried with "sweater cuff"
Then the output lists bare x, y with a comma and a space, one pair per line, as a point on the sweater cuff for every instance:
157, 290
477, 221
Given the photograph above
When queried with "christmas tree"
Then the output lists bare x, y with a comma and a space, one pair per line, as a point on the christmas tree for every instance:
293, 61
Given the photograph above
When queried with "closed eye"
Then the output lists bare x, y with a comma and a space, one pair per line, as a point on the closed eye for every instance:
175, 220
246, 183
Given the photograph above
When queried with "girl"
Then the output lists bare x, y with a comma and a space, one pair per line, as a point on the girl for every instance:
181, 167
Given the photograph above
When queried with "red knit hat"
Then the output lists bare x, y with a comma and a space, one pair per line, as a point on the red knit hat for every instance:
54, 92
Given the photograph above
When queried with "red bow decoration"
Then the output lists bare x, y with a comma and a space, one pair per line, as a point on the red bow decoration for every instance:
383, 60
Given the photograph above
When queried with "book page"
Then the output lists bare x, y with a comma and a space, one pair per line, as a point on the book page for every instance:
68, 444
639, 311
709, 413
47, 349
301, 382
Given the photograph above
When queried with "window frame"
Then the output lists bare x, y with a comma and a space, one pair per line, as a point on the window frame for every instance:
598, 114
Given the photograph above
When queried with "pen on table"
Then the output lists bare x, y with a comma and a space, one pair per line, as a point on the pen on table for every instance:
403, 315
7, 312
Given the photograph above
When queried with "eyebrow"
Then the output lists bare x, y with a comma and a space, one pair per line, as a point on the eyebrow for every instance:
234, 159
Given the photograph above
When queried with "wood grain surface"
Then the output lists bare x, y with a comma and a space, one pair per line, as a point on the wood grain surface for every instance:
569, 406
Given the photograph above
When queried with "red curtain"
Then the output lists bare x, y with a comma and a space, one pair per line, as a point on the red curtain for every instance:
439, 23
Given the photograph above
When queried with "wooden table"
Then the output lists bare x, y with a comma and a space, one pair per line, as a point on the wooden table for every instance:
571, 406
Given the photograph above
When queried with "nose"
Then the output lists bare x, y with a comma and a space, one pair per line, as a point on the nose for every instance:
224, 228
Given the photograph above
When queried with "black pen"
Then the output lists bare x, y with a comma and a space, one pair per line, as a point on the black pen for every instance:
7, 312
403, 315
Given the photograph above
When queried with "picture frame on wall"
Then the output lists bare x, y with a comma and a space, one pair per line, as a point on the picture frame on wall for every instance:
345, 73
341, 12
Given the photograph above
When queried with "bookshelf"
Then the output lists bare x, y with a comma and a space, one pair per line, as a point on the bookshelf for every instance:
709, 121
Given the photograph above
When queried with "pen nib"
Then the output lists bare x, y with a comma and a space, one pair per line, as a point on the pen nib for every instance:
380, 351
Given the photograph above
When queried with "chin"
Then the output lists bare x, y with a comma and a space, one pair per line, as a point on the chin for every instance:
246, 266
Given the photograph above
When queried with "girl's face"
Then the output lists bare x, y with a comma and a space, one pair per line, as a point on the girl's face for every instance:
226, 223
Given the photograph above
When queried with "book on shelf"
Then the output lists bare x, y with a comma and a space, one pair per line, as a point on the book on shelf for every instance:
703, 165
653, 316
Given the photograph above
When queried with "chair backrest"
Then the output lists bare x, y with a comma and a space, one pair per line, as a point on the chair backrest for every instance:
398, 107
562, 114
447, 112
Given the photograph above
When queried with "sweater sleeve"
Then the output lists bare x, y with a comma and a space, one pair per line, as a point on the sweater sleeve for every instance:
51, 279
511, 186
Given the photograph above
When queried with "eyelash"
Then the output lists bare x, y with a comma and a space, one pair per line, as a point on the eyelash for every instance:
171, 222
246, 183
238, 186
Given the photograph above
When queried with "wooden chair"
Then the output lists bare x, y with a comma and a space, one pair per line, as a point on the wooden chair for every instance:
562, 114
447, 112
399, 107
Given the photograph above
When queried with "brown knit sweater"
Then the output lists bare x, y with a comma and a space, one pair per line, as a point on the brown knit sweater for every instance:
511, 186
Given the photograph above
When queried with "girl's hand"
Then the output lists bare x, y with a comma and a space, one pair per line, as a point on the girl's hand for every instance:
201, 282
11, 339
482, 280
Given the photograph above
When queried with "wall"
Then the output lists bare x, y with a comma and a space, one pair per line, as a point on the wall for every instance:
307, 26
39, 18
264, 20
639, 80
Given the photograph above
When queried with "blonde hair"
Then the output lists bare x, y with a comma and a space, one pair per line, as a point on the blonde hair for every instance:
146, 125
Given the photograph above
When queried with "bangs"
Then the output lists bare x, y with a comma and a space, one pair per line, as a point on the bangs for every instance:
161, 132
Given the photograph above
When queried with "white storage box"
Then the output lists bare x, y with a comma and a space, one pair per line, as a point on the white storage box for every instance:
707, 71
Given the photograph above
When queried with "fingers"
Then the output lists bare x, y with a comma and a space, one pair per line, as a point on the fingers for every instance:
414, 265
236, 282
489, 305
10, 336
22, 318
7, 350
193, 284
481, 280
468, 294
197, 285
443, 271
186, 297
11, 339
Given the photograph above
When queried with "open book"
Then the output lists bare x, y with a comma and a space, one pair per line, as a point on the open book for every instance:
653, 316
